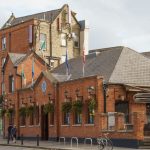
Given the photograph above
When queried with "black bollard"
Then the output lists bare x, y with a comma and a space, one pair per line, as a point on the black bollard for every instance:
37, 140
8, 139
21, 139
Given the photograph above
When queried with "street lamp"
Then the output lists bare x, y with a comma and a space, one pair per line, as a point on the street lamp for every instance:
105, 86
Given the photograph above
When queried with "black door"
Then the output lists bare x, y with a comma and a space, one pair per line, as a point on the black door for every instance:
147, 125
123, 107
44, 125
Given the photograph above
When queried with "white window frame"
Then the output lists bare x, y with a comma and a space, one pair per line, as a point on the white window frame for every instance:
3, 43
42, 40
63, 39
76, 39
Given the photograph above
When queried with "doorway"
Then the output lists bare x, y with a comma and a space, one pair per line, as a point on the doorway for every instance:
123, 107
147, 125
44, 124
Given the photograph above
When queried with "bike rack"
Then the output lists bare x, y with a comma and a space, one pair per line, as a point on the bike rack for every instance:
64, 140
75, 138
88, 139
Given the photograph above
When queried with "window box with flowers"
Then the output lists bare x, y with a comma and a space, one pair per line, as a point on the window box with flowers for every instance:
49, 108
3, 112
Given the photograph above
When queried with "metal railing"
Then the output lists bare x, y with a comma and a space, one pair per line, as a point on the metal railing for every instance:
74, 138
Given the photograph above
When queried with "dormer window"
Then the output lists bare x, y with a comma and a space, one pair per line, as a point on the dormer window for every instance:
3, 43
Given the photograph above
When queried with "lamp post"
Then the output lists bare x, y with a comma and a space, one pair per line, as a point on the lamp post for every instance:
105, 86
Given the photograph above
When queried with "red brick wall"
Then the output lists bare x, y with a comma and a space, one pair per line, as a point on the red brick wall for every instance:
19, 37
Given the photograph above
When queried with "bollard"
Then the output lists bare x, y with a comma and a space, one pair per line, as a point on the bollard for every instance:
8, 139
21, 139
37, 140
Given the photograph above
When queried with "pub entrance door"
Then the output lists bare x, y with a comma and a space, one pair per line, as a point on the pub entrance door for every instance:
44, 125
123, 107
147, 125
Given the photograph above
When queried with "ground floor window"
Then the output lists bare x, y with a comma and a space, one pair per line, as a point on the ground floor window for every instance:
78, 118
31, 118
23, 120
66, 118
37, 115
90, 118
51, 119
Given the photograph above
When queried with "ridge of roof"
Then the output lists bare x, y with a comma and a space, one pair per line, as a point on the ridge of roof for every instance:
101, 64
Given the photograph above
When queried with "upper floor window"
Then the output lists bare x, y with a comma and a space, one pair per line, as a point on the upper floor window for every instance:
76, 41
43, 41
11, 84
3, 61
63, 39
3, 43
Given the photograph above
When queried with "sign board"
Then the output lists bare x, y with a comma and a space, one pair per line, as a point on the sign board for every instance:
111, 120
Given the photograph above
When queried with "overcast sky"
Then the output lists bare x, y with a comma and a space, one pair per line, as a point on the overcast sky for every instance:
111, 22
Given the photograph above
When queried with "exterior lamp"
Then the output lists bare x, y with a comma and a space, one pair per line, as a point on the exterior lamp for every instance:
66, 95
77, 91
91, 90
23, 103
105, 86
33, 102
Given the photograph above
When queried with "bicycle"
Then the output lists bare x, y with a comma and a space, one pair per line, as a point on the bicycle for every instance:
104, 143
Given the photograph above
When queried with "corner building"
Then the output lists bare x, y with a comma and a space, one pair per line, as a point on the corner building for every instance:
112, 97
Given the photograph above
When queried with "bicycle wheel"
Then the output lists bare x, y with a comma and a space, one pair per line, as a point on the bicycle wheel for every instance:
108, 145
100, 146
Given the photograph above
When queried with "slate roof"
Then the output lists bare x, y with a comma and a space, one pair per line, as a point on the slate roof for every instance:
147, 54
48, 16
116, 64
16, 58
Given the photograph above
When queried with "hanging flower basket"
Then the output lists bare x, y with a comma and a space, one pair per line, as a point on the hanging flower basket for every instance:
3, 111
30, 110
23, 111
66, 107
11, 110
48, 108
77, 106
1, 99
91, 105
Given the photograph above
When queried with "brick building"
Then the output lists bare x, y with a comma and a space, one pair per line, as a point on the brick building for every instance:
113, 96
48, 34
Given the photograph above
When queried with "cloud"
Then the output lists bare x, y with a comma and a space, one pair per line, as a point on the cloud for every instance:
112, 22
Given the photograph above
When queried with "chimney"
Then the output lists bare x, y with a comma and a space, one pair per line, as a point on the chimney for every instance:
84, 36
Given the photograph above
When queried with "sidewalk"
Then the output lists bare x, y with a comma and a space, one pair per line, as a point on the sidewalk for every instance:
54, 145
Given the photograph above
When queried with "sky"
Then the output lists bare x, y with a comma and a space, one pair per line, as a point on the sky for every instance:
111, 22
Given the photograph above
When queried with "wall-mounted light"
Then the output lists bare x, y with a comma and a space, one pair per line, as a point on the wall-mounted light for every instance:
77, 91
12, 105
66, 95
30, 98
22, 102
51, 100
91, 90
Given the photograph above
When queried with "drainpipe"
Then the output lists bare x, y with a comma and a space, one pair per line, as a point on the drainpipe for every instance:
105, 86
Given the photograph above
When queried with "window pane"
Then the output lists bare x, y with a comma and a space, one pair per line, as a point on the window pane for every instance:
43, 41
63, 39
3, 43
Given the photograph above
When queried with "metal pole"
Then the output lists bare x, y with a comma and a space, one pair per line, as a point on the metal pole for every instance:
8, 138
104, 91
21, 139
37, 140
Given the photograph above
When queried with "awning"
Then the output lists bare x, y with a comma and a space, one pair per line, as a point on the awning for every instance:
142, 98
